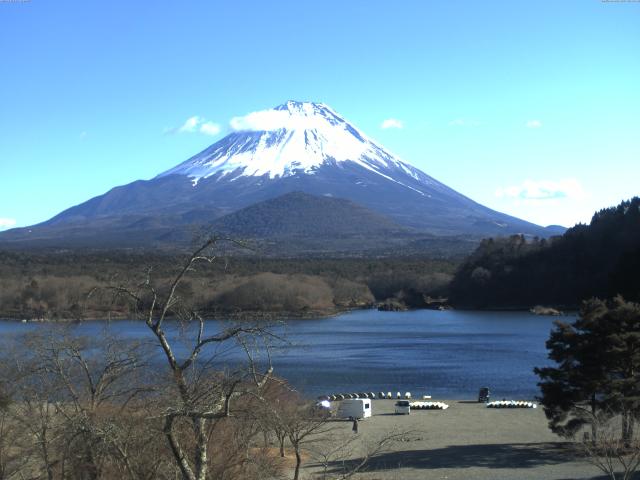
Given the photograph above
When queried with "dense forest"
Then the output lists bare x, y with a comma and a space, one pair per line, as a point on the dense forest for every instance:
57, 285
601, 259
596, 260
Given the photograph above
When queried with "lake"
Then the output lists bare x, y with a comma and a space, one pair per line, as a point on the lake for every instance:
447, 354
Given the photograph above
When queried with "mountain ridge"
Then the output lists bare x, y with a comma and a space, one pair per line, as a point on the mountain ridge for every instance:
300, 147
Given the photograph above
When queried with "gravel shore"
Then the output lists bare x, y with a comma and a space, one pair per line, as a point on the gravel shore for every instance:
466, 441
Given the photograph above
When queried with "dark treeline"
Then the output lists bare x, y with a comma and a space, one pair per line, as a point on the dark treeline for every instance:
55, 285
596, 260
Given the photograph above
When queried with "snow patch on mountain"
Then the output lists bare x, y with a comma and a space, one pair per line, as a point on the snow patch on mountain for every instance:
296, 137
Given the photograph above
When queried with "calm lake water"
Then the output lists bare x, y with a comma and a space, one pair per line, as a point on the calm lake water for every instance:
448, 354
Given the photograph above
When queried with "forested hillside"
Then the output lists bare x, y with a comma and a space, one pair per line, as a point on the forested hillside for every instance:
56, 285
601, 259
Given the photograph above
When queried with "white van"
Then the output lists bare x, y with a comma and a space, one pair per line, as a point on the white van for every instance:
355, 408
403, 407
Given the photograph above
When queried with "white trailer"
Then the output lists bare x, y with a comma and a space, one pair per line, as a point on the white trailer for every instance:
355, 408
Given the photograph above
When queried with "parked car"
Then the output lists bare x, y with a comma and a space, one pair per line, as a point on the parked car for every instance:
403, 407
484, 395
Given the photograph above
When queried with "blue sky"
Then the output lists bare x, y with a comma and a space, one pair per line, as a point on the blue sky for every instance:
531, 108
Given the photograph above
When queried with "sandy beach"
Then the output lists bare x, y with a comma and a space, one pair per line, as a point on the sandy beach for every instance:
466, 441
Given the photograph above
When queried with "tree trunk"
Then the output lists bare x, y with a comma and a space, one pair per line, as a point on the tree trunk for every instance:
296, 473
90, 468
44, 445
594, 427
627, 429
201, 448
176, 449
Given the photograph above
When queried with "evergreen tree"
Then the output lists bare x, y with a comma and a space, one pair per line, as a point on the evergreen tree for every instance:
598, 368
619, 327
598, 260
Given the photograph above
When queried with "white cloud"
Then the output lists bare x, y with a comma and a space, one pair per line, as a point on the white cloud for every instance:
543, 190
391, 123
534, 124
264, 120
190, 125
269, 120
464, 122
195, 124
6, 223
546, 202
210, 128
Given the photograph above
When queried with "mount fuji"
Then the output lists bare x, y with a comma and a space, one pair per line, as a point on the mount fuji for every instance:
296, 147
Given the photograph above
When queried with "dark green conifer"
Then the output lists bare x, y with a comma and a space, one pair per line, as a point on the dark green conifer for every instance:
598, 368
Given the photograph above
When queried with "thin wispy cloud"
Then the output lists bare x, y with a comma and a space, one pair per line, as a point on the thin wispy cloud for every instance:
6, 223
210, 128
391, 123
196, 124
464, 122
543, 190
534, 124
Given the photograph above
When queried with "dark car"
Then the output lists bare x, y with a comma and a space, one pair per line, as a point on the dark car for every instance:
483, 395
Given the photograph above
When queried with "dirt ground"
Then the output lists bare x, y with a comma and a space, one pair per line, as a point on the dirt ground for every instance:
466, 441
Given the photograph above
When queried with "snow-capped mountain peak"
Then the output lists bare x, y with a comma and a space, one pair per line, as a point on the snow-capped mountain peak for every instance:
293, 138
296, 155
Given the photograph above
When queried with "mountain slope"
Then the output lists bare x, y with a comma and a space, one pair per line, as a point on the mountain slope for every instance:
297, 224
296, 147
299, 214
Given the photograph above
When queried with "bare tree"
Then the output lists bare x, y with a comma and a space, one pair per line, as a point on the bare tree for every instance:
338, 450
75, 412
304, 426
278, 398
292, 420
613, 451
343, 456
203, 390
178, 406
14, 458
77, 399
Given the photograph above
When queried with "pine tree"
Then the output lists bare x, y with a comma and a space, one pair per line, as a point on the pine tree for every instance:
619, 326
598, 368
571, 392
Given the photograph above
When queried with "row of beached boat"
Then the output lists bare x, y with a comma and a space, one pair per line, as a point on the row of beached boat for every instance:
511, 404
370, 395
421, 405
428, 406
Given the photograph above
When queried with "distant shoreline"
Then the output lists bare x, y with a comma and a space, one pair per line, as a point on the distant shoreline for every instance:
242, 316
249, 316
